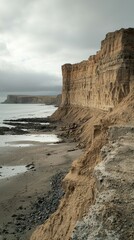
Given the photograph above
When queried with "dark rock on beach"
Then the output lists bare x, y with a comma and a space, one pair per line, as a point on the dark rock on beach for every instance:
12, 131
40, 211
25, 125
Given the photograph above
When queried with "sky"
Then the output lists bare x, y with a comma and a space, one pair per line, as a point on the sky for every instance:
38, 36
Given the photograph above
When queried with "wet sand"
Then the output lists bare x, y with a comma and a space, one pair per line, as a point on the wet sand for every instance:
18, 193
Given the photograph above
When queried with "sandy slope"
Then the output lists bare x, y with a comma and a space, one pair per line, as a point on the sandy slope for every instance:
80, 182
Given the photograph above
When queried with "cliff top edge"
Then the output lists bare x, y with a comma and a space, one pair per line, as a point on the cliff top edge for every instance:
121, 35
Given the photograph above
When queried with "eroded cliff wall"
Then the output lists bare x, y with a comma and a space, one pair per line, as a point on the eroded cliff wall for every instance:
104, 79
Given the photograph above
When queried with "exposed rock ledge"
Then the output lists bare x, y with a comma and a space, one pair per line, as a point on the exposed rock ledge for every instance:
112, 215
49, 100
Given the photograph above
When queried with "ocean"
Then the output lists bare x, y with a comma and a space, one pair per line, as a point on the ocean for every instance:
16, 111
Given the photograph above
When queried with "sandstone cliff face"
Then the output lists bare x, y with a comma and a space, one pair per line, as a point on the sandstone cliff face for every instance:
104, 79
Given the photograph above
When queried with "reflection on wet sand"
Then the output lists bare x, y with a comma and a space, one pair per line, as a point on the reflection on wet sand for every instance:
27, 139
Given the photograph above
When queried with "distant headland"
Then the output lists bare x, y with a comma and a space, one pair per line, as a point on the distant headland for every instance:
48, 100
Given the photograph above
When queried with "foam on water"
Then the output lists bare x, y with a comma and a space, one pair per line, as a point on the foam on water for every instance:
17, 111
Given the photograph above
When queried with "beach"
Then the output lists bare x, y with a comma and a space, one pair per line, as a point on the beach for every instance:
34, 158
18, 193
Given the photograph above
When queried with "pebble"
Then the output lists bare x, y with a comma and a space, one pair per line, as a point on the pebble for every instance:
41, 209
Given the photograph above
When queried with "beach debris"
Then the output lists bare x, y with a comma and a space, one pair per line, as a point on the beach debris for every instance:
48, 154
71, 150
30, 166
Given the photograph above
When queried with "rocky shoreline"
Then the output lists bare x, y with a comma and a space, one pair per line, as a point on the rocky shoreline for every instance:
39, 190
40, 210
17, 126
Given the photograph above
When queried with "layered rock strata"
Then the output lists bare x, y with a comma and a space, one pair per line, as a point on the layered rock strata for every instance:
104, 79
96, 186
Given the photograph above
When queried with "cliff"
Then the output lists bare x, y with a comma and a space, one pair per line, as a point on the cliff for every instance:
104, 79
111, 217
49, 100
97, 110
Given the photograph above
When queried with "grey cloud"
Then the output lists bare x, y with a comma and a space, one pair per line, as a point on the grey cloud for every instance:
3, 49
13, 13
26, 81
76, 24
63, 30
67, 23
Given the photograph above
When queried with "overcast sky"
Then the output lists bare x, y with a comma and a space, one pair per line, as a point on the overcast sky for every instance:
38, 36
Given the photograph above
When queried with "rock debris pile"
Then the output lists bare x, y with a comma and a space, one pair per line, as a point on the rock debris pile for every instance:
40, 211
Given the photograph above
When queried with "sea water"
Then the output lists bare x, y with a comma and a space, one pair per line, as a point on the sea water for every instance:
18, 111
